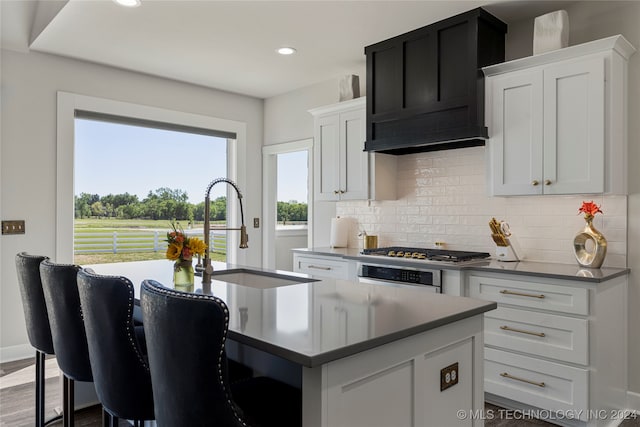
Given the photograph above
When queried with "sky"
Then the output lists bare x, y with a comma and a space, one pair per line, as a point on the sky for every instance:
115, 159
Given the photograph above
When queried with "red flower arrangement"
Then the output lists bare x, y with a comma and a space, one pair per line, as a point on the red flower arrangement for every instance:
589, 209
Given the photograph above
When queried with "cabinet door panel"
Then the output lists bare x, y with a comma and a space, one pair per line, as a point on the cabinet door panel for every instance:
354, 164
386, 76
420, 71
574, 127
327, 146
454, 57
516, 134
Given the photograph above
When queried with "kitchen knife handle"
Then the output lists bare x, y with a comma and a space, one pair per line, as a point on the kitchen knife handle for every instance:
507, 292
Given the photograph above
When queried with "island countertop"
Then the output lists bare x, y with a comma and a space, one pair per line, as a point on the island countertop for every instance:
320, 321
526, 268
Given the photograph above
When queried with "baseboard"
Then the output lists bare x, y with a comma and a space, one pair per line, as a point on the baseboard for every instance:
633, 401
16, 352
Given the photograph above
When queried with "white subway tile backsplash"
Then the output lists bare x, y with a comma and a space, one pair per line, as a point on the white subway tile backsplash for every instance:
442, 197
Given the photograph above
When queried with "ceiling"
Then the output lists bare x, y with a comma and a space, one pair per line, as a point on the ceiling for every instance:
230, 45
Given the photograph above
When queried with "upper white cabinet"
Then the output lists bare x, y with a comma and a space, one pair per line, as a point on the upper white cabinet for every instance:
557, 121
342, 170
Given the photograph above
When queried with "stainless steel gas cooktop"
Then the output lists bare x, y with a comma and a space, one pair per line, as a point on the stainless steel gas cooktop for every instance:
426, 254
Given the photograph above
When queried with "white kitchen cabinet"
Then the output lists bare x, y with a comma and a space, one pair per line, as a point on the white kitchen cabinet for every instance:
555, 344
342, 170
324, 267
557, 121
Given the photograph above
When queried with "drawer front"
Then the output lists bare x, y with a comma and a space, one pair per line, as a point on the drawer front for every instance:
535, 382
542, 334
322, 267
565, 299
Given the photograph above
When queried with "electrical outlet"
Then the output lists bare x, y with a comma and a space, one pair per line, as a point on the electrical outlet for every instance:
13, 227
449, 376
256, 222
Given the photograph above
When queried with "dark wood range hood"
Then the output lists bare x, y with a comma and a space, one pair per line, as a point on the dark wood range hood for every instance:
425, 88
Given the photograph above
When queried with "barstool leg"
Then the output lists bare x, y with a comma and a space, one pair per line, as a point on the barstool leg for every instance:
68, 401
39, 389
105, 418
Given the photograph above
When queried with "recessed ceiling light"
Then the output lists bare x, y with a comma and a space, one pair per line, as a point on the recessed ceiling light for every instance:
128, 3
286, 51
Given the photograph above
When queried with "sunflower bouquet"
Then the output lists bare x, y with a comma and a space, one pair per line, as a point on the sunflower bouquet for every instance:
182, 247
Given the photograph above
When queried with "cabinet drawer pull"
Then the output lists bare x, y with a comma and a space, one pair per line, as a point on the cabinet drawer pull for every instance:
539, 384
506, 292
336, 192
547, 182
318, 267
507, 328
535, 182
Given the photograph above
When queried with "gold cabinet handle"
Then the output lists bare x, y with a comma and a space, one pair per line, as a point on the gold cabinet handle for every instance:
342, 191
336, 192
535, 182
506, 375
507, 328
506, 292
547, 182
317, 267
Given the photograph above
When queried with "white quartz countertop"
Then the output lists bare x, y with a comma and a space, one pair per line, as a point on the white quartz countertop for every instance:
527, 268
316, 322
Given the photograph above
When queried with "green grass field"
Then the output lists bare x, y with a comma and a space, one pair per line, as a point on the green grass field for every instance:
135, 232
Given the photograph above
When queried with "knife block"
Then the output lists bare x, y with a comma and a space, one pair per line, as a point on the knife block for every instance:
508, 253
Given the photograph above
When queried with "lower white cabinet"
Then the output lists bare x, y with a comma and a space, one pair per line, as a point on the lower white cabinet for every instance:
536, 382
557, 345
400, 384
325, 267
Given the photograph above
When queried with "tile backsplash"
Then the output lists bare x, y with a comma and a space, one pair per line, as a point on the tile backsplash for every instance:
442, 197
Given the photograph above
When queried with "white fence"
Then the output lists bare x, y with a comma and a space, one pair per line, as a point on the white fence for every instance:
136, 241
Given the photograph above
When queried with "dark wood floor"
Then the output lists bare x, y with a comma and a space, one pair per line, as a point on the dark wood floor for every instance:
17, 406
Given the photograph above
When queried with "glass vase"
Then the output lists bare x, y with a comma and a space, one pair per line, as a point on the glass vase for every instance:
590, 246
183, 276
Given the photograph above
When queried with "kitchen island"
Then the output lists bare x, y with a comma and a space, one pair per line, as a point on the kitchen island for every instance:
549, 345
363, 354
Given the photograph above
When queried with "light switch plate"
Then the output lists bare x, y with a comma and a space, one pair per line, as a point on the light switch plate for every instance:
256, 222
13, 227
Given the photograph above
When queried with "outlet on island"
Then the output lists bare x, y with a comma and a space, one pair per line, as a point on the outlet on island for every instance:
449, 376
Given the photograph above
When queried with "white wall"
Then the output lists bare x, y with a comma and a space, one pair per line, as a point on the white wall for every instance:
286, 118
285, 241
28, 154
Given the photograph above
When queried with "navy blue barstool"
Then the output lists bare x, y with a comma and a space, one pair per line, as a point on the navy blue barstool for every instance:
186, 335
116, 348
37, 322
59, 283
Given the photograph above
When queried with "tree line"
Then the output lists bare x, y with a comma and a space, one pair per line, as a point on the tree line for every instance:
167, 204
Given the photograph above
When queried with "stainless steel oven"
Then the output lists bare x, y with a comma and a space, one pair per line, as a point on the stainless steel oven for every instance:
429, 279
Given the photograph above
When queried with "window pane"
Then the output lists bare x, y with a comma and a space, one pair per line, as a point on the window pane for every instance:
131, 181
293, 175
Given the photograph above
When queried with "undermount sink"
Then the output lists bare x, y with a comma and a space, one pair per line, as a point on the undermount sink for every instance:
258, 279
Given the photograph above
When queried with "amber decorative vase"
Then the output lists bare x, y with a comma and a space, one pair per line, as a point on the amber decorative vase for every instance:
183, 276
589, 245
